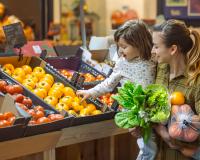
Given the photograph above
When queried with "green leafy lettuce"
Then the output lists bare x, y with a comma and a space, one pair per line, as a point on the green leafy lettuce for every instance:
141, 106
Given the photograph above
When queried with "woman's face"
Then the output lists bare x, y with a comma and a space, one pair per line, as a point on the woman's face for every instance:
162, 53
127, 51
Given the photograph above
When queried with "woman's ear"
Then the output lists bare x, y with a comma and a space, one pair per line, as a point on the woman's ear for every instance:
173, 49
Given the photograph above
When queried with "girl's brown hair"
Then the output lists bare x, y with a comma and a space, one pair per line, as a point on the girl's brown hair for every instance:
136, 33
176, 33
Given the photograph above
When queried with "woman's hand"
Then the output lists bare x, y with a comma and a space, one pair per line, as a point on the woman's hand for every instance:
136, 132
83, 93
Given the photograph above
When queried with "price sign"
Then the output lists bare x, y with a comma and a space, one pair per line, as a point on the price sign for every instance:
14, 34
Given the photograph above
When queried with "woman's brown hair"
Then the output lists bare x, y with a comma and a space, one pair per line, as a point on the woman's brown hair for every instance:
176, 33
136, 33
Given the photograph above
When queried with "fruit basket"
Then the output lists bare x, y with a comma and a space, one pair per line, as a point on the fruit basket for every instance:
30, 107
67, 66
55, 93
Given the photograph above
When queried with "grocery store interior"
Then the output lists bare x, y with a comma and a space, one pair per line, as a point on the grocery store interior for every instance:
58, 61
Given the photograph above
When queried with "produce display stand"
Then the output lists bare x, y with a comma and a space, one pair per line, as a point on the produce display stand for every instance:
47, 143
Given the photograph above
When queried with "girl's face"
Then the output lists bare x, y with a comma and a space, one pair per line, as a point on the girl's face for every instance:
162, 53
127, 51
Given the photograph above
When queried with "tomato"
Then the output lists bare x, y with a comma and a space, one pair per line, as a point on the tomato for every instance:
22, 106
2, 117
4, 123
27, 69
39, 108
18, 88
11, 120
3, 85
31, 112
19, 98
32, 122
68, 92
39, 114
10, 89
43, 120
59, 117
8, 115
52, 117
27, 102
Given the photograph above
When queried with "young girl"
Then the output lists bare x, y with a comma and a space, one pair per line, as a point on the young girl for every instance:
134, 46
174, 46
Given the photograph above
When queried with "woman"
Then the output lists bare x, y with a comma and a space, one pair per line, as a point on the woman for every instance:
179, 48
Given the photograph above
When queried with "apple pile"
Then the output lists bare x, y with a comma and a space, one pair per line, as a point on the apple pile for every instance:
53, 93
106, 99
88, 77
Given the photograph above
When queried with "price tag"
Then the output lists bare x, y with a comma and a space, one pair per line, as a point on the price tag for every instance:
37, 49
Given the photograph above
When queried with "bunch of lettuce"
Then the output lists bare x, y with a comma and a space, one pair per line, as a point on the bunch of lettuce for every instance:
141, 106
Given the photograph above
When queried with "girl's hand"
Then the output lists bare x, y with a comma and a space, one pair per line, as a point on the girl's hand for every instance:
84, 94
136, 132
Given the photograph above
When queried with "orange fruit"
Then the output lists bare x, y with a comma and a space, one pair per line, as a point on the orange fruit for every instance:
9, 67
19, 72
46, 79
177, 98
40, 92
96, 112
72, 112
27, 69
7, 71
91, 107
18, 78
49, 76
76, 106
84, 112
33, 77
58, 85
29, 82
68, 92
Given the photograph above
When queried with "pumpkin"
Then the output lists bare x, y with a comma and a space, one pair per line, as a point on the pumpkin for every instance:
177, 128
